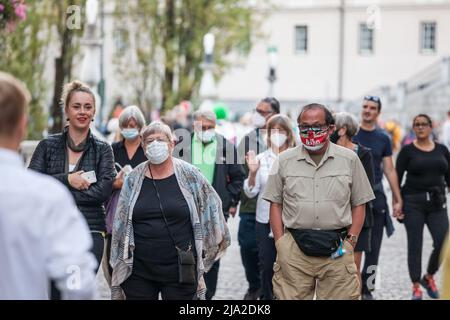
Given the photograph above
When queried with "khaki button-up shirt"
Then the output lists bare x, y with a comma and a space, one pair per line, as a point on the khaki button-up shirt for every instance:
318, 196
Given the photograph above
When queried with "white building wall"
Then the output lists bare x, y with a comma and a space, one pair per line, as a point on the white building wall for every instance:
314, 76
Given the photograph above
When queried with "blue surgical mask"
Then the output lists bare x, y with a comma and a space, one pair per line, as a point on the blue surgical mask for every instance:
130, 134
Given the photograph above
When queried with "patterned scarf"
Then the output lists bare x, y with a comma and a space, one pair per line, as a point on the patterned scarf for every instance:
211, 233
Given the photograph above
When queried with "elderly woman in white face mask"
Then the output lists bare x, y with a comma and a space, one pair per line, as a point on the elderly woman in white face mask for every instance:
280, 137
169, 227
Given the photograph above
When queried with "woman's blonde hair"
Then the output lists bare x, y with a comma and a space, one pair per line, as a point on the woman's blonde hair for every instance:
284, 122
72, 87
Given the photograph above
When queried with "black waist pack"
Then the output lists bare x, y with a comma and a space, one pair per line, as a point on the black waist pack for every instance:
318, 243
186, 267
438, 196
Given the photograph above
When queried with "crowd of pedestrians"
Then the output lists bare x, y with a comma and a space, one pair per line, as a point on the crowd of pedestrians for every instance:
152, 208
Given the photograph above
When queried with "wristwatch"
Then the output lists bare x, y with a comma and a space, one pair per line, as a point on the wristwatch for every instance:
353, 239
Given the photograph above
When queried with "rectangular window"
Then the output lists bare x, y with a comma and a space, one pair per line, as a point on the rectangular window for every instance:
428, 36
365, 39
301, 39
120, 41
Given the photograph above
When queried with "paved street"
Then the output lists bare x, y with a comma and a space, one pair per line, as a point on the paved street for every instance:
394, 281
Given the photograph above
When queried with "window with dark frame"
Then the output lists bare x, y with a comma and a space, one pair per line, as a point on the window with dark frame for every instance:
120, 39
301, 39
428, 37
365, 39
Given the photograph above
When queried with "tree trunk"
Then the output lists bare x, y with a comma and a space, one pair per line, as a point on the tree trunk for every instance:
62, 70
168, 41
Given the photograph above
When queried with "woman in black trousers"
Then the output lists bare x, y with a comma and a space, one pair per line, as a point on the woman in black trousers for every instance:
427, 164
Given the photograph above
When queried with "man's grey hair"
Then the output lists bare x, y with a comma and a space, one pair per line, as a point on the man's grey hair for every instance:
206, 114
131, 112
347, 120
157, 127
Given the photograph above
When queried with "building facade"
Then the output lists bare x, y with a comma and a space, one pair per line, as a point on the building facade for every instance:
336, 51
329, 51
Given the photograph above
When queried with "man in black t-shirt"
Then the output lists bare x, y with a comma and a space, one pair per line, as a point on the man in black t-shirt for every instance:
378, 141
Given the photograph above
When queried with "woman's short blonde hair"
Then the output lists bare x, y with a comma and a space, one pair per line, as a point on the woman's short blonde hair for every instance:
284, 122
72, 87
157, 127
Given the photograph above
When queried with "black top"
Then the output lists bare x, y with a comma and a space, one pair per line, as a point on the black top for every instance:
155, 256
365, 155
121, 155
425, 169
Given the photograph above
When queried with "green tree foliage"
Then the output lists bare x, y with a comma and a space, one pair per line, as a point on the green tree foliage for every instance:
21, 54
167, 37
24, 53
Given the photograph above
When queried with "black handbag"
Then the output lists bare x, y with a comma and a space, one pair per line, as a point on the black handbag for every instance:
318, 243
186, 259
186, 267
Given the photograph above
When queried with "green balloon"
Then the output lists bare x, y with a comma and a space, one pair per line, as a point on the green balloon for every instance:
221, 110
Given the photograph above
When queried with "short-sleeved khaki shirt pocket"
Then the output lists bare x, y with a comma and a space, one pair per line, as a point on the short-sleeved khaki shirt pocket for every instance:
336, 186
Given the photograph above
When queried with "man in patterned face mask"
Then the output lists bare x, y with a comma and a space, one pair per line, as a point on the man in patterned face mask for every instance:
318, 193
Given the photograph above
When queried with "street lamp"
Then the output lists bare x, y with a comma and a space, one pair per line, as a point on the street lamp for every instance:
208, 92
273, 62
90, 70
208, 44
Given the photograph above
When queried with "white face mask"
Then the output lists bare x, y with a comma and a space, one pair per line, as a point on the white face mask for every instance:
314, 148
206, 136
278, 139
157, 152
258, 120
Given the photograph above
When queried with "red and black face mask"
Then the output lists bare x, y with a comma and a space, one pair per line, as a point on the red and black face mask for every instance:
314, 138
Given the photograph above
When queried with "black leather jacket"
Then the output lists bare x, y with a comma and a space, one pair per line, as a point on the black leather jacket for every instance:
50, 158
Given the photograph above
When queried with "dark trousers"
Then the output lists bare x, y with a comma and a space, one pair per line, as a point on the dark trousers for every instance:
97, 250
420, 211
138, 288
211, 280
267, 256
368, 273
249, 250
212, 275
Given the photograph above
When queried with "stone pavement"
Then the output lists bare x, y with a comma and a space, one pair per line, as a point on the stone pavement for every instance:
394, 279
